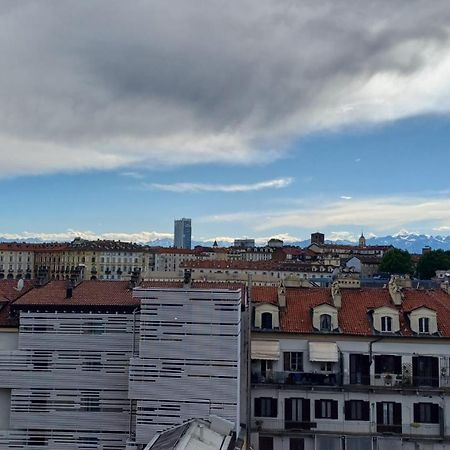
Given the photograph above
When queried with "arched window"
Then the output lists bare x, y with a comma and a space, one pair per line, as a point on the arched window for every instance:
424, 325
386, 324
325, 322
266, 321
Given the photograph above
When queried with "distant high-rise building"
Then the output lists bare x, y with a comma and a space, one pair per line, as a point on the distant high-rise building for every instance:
182, 233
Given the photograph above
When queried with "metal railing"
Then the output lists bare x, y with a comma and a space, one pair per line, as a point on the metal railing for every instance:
297, 378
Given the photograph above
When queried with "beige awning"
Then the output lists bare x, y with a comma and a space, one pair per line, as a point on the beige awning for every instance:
266, 350
323, 351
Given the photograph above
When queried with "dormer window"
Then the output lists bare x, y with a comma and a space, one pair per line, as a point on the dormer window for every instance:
386, 324
424, 325
266, 321
325, 322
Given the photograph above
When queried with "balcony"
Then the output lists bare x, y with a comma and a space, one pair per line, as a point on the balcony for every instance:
297, 378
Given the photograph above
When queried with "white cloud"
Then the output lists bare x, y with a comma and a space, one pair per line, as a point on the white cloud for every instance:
206, 187
126, 84
134, 175
346, 197
382, 214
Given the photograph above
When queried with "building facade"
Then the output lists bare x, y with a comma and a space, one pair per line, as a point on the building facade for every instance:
350, 369
188, 359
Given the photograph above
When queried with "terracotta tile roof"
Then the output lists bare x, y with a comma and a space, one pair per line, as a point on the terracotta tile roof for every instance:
9, 292
101, 293
87, 293
353, 316
270, 265
17, 247
265, 294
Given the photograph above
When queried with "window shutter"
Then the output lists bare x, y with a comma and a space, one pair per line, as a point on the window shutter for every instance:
306, 410
397, 413
288, 409
317, 409
366, 411
347, 410
257, 407
287, 361
273, 407
380, 413
417, 412
398, 364
334, 409
435, 413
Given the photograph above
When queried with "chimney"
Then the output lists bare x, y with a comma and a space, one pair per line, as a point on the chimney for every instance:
135, 279
336, 294
42, 277
187, 279
395, 291
69, 291
446, 287
281, 295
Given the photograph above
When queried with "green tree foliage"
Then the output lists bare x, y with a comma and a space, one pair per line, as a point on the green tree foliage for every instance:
397, 262
432, 261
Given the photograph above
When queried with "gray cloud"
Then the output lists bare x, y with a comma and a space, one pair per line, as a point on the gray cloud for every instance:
108, 84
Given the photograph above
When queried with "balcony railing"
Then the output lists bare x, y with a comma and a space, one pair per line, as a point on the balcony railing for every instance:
297, 378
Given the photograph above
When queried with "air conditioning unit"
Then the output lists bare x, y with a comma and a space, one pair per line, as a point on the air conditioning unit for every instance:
388, 379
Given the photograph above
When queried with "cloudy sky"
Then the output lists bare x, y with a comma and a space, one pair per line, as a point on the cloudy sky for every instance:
262, 118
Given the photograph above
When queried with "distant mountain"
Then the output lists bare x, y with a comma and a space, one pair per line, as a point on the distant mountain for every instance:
414, 243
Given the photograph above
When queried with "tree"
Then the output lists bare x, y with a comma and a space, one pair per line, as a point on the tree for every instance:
432, 261
397, 262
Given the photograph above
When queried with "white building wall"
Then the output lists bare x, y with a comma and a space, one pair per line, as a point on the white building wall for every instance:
188, 363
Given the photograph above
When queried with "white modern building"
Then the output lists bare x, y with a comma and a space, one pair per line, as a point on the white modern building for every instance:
187, 362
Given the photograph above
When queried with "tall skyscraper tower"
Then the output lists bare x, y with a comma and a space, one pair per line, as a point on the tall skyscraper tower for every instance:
182, 233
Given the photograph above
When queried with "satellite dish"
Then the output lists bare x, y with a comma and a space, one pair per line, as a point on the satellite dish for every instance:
20, 284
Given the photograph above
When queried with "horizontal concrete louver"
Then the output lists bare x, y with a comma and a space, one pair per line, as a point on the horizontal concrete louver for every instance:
69, 381
188, 362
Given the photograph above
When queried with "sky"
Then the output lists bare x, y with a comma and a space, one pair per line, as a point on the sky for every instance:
274, 118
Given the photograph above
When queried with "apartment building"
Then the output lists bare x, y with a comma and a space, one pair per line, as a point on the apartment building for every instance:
79, 368
101, 259
350, 369
16, 260
188, 362
262, 272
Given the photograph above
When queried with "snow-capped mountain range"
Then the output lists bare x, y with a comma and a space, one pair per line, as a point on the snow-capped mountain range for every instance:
414, 243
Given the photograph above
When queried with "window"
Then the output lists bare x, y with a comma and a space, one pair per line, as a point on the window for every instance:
388, 364
357, 410
386, 324
266, 407
325, 322
426, 413
293, 361
266, 321
297, 413
326, 366
265, 443
424, 325
389, 417
326, 409
296, 444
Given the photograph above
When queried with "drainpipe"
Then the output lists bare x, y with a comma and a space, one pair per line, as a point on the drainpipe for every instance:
249, 358
133, 351
370, 348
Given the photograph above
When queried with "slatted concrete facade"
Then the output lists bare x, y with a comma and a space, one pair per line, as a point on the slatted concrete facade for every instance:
69, 381
189, 358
